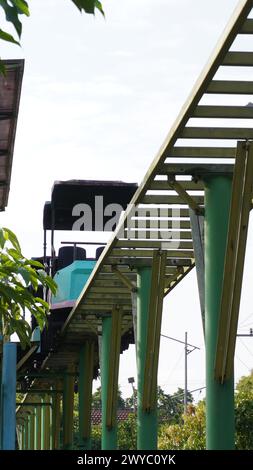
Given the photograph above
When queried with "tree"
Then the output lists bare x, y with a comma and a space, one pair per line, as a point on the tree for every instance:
171, 407
127, 433
190, 434
19, 279
97, 401
14, 9
244, 413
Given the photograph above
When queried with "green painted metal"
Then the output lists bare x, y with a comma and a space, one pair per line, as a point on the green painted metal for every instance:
32, 431
219, 397
29, 432
26, 434
86, 364
68, 404
70, 280
38, 427
8, 396
109, 436
56, 404
46, 425
22, 437
146, 421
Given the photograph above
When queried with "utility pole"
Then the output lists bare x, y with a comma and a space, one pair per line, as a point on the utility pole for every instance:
186, 352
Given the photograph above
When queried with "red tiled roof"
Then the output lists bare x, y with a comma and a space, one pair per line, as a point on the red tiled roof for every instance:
96, 415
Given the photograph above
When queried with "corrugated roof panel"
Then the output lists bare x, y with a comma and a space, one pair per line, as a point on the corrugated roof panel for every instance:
10, 88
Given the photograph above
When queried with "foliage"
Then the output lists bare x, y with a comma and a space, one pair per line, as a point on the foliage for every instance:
97, 401
14, 9
191, 433
188, 435
127, 433
96, 437
19, 278
171, 407
244, 413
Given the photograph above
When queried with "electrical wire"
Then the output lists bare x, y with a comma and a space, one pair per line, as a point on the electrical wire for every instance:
174, 367
246, 347
244, 321
245, 365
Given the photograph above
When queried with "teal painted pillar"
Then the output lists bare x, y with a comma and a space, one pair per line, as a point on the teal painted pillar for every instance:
38, 426
26, 433
109, 436
45, 423
8, 393
22, 436
29, 431
86, 364
56, 418
219, 397
146, 421
68, 409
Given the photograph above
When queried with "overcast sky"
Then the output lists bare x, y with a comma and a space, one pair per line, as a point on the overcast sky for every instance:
98, 98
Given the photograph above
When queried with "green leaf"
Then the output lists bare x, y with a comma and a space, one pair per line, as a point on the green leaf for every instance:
35, 263
42, 302
12, 237
11, 14
14, 254
8, 37
22, 6
99, 6
88, 6
25, 275
2, 238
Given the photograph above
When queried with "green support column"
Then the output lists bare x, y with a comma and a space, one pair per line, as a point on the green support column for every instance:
86, 365
68, 405
109, 436
56, 418
23, 435
46, 424
19, 433
219, 398
26, 433
29, 431
38, 426
32, 430
146, 422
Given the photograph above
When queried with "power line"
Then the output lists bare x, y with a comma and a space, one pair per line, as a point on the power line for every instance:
179, 341
246, 347
174, 367
186, 352
244, 321
245, 365
189, 391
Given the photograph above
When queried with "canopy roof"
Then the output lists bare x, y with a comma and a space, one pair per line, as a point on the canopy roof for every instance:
10, 89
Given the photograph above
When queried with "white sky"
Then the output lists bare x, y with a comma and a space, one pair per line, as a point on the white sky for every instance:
98, 99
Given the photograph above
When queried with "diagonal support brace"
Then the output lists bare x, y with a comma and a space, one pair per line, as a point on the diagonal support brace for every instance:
154, 330
197, 227
189, 200
111, 405
234, 260
124, 279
